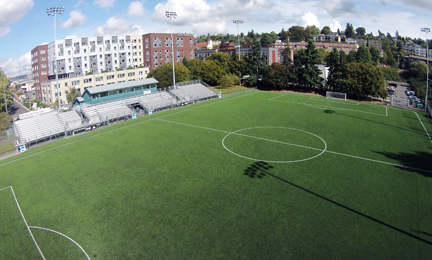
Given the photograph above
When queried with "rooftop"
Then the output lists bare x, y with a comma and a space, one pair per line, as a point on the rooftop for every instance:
122, 85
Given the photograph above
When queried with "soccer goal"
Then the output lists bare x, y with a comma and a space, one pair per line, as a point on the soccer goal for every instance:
336, 95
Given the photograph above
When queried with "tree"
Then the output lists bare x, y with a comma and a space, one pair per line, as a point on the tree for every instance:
228, 80
389, 59
185, 62
349, 31
255, 63
363, 79
266, 40
363, 54
207, 71
163, 74
307, 73
283, 35
326, 30
5, 120
71, 95
314, 30
352, 56
275, 77
5, 90
322, 54
224, 61
375, 55
336, 61
361, 31
297, 33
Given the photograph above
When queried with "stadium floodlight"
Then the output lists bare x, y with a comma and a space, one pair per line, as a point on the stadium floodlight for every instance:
171, 15
54, 11
426, 30
238, 22
336, 95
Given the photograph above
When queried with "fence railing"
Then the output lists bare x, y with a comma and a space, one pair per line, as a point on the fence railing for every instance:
7, 134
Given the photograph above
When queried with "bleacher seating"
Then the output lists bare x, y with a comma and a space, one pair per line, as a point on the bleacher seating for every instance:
106, 111
71, 119
192, 92
39, 127
157, 101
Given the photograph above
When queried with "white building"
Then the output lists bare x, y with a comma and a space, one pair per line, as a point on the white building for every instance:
79, 56
137, 51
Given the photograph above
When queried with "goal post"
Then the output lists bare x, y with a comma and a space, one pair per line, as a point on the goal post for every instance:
336, 95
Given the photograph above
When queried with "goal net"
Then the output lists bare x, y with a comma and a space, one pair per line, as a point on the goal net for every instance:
336, 95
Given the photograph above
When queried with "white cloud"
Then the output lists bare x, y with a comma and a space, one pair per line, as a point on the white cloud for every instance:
116, 25
13, 11
76, 18
5, 30
104, 3
18, 67
136, 9
335, 25
210, 17
339, 8
308, 19
80, 2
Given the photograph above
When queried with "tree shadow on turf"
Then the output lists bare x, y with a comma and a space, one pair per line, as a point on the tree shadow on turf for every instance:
261, 169
418, 162
416, 131
329, 111
422, 232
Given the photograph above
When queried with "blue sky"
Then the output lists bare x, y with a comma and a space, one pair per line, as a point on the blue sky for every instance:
24, 24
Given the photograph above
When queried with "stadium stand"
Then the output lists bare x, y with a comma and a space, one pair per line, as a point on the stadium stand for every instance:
192, 92
72, 120
39, 127
157, 101
106, 111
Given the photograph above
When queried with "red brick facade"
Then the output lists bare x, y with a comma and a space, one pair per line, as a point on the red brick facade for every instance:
157, 48
39, 62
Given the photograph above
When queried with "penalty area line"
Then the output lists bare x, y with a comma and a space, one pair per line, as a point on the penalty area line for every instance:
63, 235
25, 222
423, 126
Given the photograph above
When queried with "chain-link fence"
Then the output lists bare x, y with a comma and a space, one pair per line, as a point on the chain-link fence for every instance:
7, 134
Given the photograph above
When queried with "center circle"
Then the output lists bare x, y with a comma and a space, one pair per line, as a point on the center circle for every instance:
239, 133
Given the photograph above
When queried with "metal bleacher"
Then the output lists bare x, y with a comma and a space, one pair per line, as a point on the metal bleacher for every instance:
192, 92
72, 120
106, 111
39, 127
157, 101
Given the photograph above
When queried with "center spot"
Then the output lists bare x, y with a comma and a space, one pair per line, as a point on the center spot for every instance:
274, 144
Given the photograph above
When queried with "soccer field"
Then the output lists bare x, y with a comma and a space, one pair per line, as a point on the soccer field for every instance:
259, 175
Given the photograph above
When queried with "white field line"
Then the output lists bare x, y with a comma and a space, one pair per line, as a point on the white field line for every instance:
423, 126
63, 235
325, 107
236, 133
306, 147
113, 130
344, 102
8, 187
386, 111
25, 221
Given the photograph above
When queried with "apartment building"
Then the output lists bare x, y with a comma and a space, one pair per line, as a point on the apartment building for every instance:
137, 51
80, 83
78, 56
39, 64
158, 48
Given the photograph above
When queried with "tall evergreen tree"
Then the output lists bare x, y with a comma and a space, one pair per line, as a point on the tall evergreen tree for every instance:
255, 63
307, 72
363, 54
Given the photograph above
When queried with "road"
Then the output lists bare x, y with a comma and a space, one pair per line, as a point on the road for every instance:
17, 109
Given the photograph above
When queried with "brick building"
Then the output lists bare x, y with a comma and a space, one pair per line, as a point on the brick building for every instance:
157, 48
39, 63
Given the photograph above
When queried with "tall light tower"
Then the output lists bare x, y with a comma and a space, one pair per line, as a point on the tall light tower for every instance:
427, 30
238, 22
171, 15
54, 11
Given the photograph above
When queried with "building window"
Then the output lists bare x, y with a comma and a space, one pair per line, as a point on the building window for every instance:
42, 52
99, 78
131, 74
43, 59
110, 77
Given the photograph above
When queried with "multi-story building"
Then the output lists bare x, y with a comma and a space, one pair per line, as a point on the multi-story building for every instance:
375, 43
270, 54
80, 83
80, 56
333, 37
157, 48
39, 63
137, 51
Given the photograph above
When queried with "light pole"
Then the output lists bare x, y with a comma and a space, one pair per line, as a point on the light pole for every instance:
238, 22
53, 11
426, 30
171, 15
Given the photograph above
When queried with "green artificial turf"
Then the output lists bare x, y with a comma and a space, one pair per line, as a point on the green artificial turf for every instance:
6, 148
342, 180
